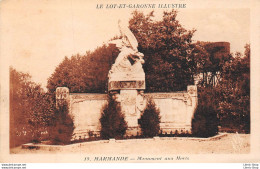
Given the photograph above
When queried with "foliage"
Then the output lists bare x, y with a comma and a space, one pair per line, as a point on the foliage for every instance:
200, 57
150, 120
218, 54
84, 73
234, 103
30, 110
205, 120
167, 47
169, 63
113, 124
209, 59
232, 93
171, 60
63, 126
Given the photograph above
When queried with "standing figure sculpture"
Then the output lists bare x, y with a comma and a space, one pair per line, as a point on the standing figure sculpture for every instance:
129, 59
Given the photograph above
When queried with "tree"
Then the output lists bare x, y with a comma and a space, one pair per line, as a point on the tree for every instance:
63, 126
30, 109
234, 104
169, 64
167, 50
208, 59
205, 121
150, 120
113, 124
84, 73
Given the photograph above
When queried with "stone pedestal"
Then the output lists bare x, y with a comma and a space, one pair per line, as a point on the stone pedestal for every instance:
127, 81
128, 107
128, 87
62, 95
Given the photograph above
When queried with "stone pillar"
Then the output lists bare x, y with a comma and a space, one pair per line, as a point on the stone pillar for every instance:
193, 94
128, 104
128, 88
62, 94
129, 100
128, 107
192, 91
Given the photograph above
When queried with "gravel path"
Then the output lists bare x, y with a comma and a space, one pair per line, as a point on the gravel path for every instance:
232, 143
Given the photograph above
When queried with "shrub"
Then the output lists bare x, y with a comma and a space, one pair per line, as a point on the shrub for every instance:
63, 125
150, 120
234, 104
113, 124
205, 121
31, 110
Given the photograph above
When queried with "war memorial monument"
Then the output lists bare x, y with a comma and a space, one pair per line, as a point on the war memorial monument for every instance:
126, 82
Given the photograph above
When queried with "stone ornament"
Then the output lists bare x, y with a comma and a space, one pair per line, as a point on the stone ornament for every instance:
62, 93
127, 71
192, 90
129, 52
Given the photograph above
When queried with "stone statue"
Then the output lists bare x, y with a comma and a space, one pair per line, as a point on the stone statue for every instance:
129, 59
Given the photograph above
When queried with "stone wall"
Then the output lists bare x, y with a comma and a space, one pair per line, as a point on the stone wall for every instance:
176, 110
86, 111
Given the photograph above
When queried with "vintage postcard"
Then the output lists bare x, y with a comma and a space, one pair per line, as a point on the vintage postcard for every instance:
130, 81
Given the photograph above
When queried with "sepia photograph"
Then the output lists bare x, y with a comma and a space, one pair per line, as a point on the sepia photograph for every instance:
134, 82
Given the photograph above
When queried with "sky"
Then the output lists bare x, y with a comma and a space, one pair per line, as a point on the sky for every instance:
37, 35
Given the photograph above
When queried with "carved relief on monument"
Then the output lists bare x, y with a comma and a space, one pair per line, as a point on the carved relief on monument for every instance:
184, 96
187, 99
75, 98
140, 102
192, 90
128, 102
116, 85
62, 93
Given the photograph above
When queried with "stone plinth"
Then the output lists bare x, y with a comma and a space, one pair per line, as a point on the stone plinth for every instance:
128, 106
62, 95
127, 85
121, 81
128, 99
118, 85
